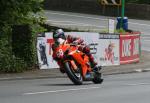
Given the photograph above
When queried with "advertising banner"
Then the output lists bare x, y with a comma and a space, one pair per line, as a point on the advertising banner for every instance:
108, 50
129, 48
41, 52
44, 52
44, 47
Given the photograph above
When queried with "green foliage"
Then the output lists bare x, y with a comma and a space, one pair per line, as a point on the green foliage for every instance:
22, 55
24, 43
31, 58
9, 63
12, 64
19, 12
121, 30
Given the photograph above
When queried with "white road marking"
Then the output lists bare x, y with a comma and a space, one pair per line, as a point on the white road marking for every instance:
86, 25
78, 89
76, 16
63, 21
72, 23
57, 91
68, 24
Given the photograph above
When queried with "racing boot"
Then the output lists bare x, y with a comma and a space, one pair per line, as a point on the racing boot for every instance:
94, 64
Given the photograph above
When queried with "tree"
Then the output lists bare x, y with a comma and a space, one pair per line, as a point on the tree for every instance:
18, 11
15, 12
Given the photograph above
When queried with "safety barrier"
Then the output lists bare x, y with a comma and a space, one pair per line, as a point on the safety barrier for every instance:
108, 49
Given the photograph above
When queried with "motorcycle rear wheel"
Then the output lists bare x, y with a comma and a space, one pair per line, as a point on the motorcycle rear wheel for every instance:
97, 78
75, 77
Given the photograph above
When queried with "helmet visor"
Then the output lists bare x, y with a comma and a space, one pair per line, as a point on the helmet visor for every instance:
55, 36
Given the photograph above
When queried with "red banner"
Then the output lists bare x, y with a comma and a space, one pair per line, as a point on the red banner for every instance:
129, 48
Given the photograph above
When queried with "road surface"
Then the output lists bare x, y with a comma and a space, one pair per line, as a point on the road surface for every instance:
125, 88
96, 23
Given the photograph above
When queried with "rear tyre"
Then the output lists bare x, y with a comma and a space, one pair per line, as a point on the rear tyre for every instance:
74, 76
97, 78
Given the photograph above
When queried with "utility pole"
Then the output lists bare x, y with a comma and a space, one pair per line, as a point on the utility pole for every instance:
122, 12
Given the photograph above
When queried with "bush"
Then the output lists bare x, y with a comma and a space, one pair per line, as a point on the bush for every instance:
24, 42
8, 63
31, 48
18, 48
18, 54
12, 64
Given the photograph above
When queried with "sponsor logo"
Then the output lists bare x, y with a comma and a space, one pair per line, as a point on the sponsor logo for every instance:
93, 48
50, 42
126, 48
109, 55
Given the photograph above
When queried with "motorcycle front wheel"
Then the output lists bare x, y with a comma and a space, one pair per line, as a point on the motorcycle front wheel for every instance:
74, 76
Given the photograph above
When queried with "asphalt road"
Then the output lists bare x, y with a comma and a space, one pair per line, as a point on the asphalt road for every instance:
96, 23
125, 88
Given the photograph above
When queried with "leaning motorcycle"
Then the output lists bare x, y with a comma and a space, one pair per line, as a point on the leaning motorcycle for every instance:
76, 64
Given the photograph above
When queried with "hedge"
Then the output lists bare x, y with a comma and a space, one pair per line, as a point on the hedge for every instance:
18, 48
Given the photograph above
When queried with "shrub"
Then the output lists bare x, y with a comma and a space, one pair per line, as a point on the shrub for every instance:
17, 55
9, 63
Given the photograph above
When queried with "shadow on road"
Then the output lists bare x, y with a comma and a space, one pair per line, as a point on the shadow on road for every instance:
66, 84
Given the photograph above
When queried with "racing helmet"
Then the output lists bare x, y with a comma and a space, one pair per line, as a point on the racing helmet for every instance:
59, 33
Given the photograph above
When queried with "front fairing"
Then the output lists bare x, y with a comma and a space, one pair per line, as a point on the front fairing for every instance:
60, 50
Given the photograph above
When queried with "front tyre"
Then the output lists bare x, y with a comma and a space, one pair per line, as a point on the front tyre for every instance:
74, 76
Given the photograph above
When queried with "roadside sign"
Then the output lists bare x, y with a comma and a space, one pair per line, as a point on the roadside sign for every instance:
111, 26
129, 48
108, 50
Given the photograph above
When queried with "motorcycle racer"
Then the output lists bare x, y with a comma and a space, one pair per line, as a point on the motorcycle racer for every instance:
60, 38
